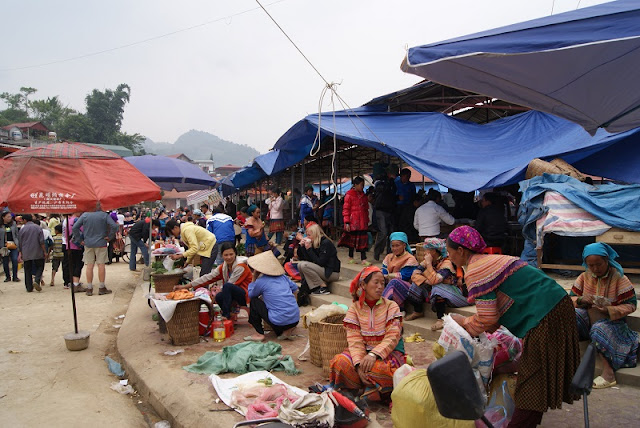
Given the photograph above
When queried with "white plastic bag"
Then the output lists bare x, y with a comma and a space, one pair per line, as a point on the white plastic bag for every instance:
483, 358
167, 263
399, 374
454, 336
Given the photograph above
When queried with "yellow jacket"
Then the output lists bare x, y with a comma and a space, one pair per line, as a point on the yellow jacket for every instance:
199, 240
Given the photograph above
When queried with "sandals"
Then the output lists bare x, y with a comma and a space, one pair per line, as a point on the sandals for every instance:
438, 325
601, 383
252, 339
414, 316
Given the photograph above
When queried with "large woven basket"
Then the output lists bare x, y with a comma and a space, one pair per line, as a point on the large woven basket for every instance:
314, 344
333, 339
419, 252
164, 283
568, 169
183, 326
538, 167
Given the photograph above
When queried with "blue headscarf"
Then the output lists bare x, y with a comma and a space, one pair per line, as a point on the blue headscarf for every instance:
251, 209
604, 250
401, 236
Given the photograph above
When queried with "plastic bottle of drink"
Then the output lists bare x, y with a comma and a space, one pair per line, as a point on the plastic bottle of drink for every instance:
218, 329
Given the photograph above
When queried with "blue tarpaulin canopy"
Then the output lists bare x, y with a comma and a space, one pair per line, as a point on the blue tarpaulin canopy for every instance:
464, 155
580, 65
246, 176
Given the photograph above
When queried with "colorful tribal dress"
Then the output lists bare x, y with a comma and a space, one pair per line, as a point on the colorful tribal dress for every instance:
371, 327
439, 285
612, 336
507, 291
399, 270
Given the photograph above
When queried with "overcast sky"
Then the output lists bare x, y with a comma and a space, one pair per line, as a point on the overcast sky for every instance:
235, 75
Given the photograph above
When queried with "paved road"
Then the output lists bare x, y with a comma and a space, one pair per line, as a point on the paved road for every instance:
43, 384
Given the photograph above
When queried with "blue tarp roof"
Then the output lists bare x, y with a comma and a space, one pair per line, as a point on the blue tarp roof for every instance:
579, 65
464, 155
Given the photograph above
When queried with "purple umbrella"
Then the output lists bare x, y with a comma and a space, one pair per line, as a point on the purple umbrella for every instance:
170, 173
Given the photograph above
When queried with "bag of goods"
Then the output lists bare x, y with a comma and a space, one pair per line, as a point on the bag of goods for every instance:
415, 406
309, 408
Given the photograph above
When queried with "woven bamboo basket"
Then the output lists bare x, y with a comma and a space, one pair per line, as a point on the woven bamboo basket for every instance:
419, 253
183, 326
164, 283
314, 344
568, 169
333, 339
538, 167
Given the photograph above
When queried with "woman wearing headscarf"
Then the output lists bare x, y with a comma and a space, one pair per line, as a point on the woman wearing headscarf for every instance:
374, 336
397, 267
273, 298
509, 292
604, 296
256, 238
355, 215
435, 279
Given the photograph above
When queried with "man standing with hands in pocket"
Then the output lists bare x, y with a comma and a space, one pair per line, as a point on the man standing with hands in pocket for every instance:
99, 229
31, 249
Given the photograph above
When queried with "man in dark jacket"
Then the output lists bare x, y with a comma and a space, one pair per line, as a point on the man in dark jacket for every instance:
491, 221
31, 249
385, 205
139, 235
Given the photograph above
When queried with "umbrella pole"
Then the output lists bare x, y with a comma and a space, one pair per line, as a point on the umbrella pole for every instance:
73, 294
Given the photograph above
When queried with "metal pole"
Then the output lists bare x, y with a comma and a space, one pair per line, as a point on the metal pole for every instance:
73, 294
293, 201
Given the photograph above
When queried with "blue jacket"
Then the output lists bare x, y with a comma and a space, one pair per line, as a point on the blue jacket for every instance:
277, 294
97, 226
221, 225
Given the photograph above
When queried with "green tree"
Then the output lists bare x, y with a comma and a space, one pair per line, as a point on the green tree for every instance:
105, 110
74, 127
50, 111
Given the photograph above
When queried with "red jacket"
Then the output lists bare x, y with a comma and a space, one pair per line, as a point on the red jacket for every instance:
355, 210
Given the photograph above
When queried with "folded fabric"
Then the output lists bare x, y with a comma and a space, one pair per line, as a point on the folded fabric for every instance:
243, 358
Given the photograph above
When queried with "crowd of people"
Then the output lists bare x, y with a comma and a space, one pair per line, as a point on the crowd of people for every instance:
274, 273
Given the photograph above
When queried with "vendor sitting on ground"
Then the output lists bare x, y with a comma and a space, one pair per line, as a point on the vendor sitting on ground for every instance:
436, 280
319, 263
374, 335
235, 275
198, 240
273, 298
605, 296
397, 267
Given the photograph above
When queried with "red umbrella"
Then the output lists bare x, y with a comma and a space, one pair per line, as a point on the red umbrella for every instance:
71, 177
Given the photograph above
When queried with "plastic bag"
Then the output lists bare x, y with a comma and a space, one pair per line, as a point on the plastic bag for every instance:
290, 414
508, 347
167, 263
415, 406
499, 415
122, 389
400, 374
454, 336
483, 357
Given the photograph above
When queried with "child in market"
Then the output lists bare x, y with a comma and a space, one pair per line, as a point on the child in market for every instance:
57, 253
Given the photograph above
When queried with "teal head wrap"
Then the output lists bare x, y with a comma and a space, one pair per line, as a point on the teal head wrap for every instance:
604, 250
401, 236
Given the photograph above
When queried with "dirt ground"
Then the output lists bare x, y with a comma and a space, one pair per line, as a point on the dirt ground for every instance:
44, 384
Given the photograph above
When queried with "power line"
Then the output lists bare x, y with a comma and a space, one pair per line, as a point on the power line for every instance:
139, 42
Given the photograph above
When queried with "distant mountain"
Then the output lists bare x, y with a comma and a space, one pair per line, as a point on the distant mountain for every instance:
202, 145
